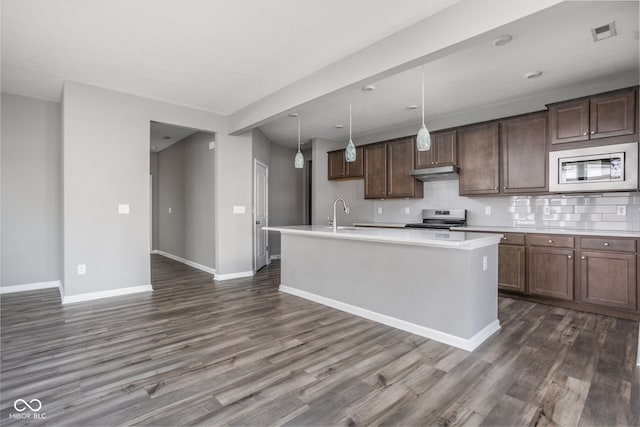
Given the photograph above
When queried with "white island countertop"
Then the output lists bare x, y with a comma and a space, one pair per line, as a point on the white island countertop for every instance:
402, 236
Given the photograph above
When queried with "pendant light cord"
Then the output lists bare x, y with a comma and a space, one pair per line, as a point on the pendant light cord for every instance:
298, 131
349, 116
422, 94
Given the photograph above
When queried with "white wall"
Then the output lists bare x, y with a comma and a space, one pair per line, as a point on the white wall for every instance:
106, 162
31, 218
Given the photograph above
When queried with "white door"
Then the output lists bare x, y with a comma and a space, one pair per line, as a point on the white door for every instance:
261, 197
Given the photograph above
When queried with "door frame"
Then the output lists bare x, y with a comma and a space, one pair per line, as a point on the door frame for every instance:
257, 162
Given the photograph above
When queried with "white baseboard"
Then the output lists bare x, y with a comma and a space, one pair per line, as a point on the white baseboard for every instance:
272, 257
30, 287
154, 251
453, 340
105, 294
185, 261
229, 276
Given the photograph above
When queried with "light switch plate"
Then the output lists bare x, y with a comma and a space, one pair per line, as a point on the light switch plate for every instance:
487, 210
485, 264
379, 211
82, 269
407, 211
123, 209
239, 209
212, 145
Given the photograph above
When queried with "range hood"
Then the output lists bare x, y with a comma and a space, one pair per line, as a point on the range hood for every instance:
442, 173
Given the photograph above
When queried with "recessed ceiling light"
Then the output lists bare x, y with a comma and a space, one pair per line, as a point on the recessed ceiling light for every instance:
368, 88
339, 126
533, 75
293, 114
502, 40
412, 107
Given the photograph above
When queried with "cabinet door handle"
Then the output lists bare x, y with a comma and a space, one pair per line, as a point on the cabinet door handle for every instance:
569, 256
550, 241
503, 238
583, 258
585, 134
592, 132
606, 243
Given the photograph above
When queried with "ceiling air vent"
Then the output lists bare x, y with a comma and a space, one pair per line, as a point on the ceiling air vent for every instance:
604, 31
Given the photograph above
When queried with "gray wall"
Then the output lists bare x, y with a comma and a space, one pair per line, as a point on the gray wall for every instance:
185, 178
153, 170
31, 191
285, 193
106, 162
324, 192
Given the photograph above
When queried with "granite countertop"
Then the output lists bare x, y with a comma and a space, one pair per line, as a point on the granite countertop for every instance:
400, 236
547, 230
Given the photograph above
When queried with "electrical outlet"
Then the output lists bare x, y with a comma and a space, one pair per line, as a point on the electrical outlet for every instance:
169, 210
407, 211
546, 210
485, 263
123, 209
239, 209
621, 210
487, 210
82, 269
379, 211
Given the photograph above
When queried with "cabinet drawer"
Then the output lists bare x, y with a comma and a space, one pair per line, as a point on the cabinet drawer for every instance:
554, 241
512, 239
605, 244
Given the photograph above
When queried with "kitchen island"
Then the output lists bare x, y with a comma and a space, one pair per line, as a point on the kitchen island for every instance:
437, 284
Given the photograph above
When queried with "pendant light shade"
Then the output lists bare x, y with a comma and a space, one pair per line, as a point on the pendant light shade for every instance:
350, 152
299, 159
423, 140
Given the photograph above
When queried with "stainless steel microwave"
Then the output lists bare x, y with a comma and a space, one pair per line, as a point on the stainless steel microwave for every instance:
602, 168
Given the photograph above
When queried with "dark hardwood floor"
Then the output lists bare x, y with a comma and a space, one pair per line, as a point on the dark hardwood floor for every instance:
238, 352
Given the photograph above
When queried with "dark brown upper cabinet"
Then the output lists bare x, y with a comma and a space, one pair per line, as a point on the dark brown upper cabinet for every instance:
339, 168
523, 142
602, 116
479, 159
375, 171
386, 170
443, 151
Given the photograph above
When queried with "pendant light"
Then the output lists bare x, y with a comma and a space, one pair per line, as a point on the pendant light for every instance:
423, 140
350, 152
299, 160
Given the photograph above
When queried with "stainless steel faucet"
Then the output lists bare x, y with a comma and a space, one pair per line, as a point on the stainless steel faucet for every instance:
346, 209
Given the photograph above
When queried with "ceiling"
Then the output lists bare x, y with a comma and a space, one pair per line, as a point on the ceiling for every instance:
164, 135
214, 55
225, 55
483, 75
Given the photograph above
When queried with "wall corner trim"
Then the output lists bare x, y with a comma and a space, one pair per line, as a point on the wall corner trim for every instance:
185, 261
30, 287
468, 344
105, 294
229, 276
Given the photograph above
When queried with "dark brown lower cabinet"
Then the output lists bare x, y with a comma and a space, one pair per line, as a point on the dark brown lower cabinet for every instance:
511, 268
551, 272
608, 279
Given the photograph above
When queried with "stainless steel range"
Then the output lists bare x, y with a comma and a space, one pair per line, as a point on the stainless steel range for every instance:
441, 219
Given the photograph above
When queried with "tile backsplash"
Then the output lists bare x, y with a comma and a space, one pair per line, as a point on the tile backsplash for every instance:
602, 211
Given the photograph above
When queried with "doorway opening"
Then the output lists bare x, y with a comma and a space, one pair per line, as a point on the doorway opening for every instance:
182, 195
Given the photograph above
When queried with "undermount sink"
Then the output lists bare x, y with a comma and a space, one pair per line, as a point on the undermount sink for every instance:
343, 227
